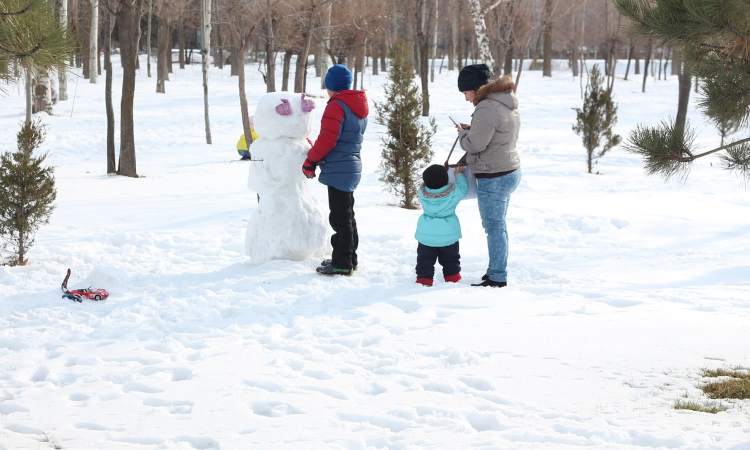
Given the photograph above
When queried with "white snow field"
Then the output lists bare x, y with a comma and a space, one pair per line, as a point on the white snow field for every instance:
622, 288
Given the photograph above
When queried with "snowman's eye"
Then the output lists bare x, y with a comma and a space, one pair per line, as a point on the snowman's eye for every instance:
307, 104
284, 108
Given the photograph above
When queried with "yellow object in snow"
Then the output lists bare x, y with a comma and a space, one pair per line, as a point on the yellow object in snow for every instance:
242, 143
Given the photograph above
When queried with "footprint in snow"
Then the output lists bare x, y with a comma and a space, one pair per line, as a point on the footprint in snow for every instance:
139, 387
78, 397
477, 383
90, 426
200, 443
173, 406
182, 374
274, 409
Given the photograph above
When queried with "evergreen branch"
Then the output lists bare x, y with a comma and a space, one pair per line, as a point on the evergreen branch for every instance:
23, 10
23, 54
717, 149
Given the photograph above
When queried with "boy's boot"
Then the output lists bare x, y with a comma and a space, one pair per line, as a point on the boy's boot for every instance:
424, 281
328, 262
331, 270
455, 278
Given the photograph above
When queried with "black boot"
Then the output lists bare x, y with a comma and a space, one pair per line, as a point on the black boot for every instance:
329, 269
328, 262
489, 283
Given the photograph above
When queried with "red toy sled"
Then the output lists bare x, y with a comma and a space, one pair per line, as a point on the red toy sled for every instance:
77, 295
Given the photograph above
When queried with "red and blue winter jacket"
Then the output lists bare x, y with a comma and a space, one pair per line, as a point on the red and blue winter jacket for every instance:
337, 149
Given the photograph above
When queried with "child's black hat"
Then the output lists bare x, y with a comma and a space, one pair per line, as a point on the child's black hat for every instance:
435, 176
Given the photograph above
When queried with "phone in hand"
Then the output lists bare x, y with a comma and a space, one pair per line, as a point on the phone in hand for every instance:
454, 122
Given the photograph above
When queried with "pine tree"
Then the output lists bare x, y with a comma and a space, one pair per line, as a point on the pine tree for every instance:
406, 147
30, 36
713, 38
27, 193
597, 118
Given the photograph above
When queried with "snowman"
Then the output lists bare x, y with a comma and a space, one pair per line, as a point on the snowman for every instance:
288, 224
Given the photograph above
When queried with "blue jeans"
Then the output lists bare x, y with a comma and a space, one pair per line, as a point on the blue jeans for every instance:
493, 195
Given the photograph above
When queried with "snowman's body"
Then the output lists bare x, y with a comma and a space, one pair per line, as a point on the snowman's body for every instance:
288, 224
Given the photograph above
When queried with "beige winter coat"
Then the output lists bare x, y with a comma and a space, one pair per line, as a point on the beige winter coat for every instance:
491, 140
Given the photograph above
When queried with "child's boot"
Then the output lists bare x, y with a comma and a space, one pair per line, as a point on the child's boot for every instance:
455, 278
424, 281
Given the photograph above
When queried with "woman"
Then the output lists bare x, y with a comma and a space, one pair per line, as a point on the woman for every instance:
490, 144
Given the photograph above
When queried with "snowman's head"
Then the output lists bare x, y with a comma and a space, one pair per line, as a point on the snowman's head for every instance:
283, 114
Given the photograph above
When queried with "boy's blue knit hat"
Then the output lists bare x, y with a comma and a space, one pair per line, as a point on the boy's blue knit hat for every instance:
338, 78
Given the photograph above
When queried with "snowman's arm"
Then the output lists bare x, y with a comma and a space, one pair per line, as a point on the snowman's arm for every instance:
330, 129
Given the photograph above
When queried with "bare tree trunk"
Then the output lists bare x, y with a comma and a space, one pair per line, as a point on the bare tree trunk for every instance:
234, 61
148, 37
547, 36
434, 39
168, 52
93, 40
683, 100
270, 50
111, 169
161, 55
128, 26
84, 25
518, 74
661, 61
242, 51
423, 22
219, 50
300, 72
42, 92
676, 61
181, 42
355, 80
62, 73
631, 48
29, 83
285, 70
325, 44
480, 31
205, 49
646, 64
453, 54
362, 63
637, 69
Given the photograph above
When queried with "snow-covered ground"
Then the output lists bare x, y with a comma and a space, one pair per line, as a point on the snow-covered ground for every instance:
622, 287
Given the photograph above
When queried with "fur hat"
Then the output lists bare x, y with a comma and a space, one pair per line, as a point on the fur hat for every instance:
435, 176
473, 76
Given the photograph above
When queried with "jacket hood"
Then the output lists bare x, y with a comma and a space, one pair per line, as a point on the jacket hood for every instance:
355, 100
433, 201
500, 90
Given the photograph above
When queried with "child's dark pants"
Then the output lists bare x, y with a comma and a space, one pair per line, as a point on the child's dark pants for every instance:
345, 239
448, 256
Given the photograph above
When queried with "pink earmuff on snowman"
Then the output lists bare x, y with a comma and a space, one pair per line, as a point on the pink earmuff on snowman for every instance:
285, 109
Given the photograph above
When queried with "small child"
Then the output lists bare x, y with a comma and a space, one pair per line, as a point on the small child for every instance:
242, 148
438, 229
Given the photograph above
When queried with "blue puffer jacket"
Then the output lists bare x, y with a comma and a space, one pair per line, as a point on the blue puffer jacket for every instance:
438, 226
337, 149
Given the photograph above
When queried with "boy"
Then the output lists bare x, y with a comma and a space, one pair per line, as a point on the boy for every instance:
438, 229
337, 152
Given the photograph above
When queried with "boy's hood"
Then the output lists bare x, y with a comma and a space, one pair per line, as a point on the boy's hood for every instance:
355, 100
433, 201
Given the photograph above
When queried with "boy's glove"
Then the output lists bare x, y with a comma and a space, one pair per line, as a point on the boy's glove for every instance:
308, 168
